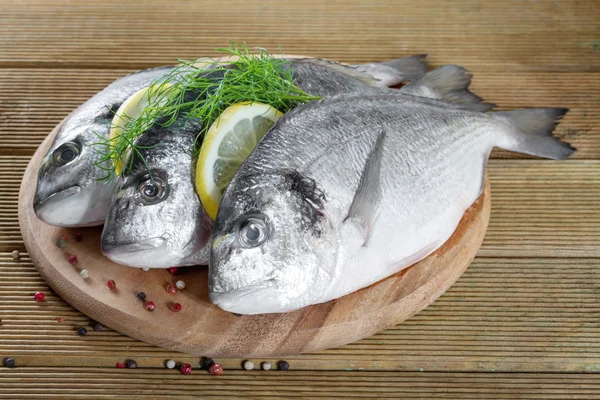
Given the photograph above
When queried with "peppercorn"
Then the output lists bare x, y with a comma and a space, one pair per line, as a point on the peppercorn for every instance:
176, 307
131, 364
97, 326
82, 331
141, 296
266, 365
39, 296
120, 365
9, 362
185, 369
16, 254
173, 270
79, 237
84, 273
150, 306
171, 289
206, 362
61, 242
180, 284
216, 369
111, 284
284, 365
73, 259
248, 365
170, 364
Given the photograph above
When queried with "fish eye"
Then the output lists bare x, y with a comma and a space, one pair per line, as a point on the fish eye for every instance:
66, 152
152, 190
252, 230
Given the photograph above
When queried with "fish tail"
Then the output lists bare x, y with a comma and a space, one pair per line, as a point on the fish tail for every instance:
411, 68
449, 83
530, 132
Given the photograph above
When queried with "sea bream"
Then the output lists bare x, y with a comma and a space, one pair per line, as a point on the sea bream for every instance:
344, 192
172, 228
70, 191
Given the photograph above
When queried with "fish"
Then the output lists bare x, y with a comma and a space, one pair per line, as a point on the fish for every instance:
70, 191
175, 231
349, 190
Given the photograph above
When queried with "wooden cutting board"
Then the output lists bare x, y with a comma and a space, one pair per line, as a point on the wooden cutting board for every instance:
204, 329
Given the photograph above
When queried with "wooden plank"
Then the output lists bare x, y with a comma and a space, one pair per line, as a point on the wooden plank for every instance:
93, 383
513, 35
502, 315
539, 208
33, 101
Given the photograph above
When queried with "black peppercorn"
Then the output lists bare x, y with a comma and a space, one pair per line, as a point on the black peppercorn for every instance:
9, 362
284, 365
79, 237
97, 326
141, 296
131, 364
82, 331
206, 362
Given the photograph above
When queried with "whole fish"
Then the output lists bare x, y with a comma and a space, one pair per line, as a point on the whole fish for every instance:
173, 229
344, 192
69, 190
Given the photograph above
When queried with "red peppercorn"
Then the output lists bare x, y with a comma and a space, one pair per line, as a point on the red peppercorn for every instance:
79, 237
73, 259
150, 306
39, 297
216, 369
111, 284
173, 270
58, 319
176, 307
171, 289
120, 365
186, 369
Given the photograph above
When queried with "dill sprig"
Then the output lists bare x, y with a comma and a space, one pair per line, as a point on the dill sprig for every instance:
202, 90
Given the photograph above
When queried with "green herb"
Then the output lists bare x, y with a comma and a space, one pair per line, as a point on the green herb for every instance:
204, 92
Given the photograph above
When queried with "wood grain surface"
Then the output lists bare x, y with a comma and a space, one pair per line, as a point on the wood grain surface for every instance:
522, 323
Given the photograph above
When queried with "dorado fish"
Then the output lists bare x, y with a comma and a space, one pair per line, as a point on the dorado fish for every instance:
344, 192
69, 190
173, 228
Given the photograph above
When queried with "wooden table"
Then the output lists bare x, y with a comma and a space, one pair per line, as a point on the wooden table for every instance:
522, 323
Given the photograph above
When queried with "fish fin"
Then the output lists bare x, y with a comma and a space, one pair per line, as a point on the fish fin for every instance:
394, 72
530, 132
349, 70
448, 83
365, 205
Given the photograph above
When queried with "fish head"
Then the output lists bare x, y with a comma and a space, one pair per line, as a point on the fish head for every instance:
272, 245
155, 219
70, 190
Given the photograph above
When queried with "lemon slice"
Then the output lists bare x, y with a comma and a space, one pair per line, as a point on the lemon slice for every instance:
131, 109
228, 142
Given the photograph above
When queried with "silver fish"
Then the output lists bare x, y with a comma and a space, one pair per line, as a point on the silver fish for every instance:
344, 192
173, 228
133, 227
69, 192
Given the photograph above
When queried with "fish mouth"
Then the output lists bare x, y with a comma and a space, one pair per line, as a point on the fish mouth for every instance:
39, 204
240, 300
111, 249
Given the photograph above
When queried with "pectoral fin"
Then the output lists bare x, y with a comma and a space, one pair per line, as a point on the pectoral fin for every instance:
367, 200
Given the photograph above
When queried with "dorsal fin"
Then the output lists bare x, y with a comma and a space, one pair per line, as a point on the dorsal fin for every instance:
344, 69
367, 199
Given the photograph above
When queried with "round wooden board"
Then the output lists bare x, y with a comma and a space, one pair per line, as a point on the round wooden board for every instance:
204, 329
